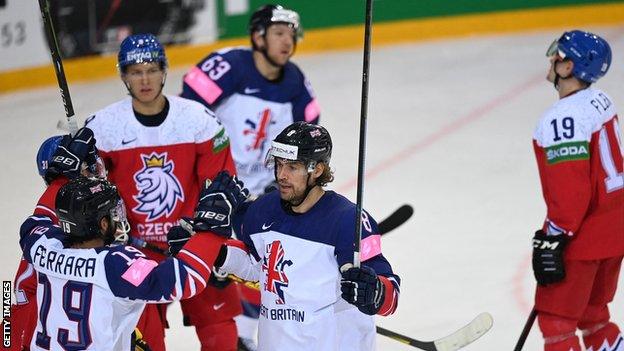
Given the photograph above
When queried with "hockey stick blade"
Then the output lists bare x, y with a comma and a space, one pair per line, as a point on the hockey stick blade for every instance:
462, 337
396, 219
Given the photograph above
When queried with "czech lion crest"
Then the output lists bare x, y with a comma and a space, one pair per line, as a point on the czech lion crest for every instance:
159, 189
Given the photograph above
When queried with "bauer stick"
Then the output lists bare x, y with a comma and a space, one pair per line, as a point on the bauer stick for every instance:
362, 148
44, 6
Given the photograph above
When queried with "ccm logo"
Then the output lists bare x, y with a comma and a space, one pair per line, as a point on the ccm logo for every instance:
545, 245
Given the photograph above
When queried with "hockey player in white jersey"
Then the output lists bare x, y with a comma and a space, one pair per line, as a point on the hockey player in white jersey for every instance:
90, 294
255, 92
296, 240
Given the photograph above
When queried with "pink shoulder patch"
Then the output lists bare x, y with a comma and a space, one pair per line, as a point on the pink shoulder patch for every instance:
312, 110
370, 247
202, 85
137, 272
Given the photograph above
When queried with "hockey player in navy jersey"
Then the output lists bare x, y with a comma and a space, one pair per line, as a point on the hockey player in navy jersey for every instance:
77, 267
298, 243
255, 92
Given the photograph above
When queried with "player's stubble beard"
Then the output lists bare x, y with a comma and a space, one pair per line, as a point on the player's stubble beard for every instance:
296, 196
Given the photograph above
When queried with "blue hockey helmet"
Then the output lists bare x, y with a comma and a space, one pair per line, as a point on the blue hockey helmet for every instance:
590, 53
46, 150
141, 48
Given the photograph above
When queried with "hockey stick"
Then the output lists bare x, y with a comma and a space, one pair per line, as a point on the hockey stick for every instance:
395, 219
390, 223
455, 341
44, 6
527, 329
362, 146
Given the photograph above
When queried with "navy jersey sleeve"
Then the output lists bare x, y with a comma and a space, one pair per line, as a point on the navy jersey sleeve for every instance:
305, 106
370, 256
213, 79
370, 245
33, 229
130, 274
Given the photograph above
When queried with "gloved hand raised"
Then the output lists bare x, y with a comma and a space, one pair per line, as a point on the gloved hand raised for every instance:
178, 235
361, 287
71, 153
218, 200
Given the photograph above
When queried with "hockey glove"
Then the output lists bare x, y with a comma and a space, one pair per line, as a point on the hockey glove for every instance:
548, 266
71, 153
178, 235
217, 202
361, 287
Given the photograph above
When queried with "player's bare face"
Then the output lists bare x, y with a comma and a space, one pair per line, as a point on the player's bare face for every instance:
279, 43
551, 71
144, 81
291, 179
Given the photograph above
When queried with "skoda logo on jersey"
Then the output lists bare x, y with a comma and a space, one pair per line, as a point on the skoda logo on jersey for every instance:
258, 131
159, 189
274, 264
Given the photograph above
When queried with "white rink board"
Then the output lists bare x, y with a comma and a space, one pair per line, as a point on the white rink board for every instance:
450, 126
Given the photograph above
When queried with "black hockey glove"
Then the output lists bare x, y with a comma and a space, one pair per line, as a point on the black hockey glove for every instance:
361, 287
71, 153
217, 202
548, 266
178, 235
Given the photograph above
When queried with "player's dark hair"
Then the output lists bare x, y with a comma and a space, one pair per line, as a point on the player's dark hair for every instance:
326, 177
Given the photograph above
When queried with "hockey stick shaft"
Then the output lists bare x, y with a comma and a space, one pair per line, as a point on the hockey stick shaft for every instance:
527, 329
44, 6
362, 145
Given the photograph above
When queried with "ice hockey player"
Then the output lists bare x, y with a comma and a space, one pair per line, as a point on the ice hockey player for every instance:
55, 166
256, 92
157, 150
577, 254
77, 268
303, 231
